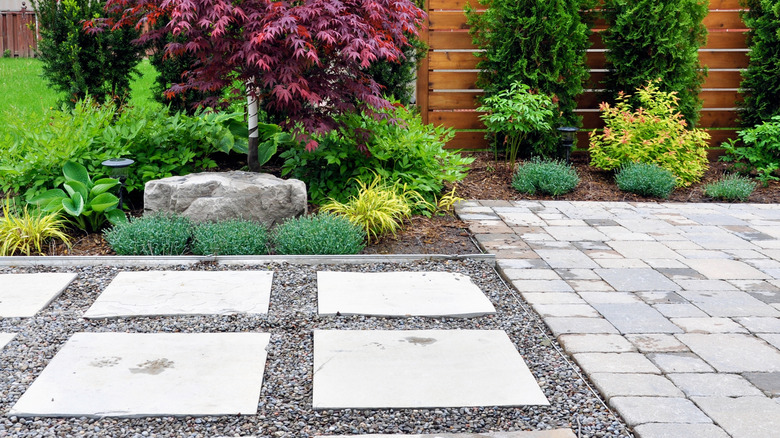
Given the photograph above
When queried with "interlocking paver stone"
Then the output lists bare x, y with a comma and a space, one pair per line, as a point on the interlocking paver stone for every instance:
645, 385
643, 250
640, 410
615, 363
595, 343
150, 374
420, 368
542, 286
743, 417
772, 338
566, 310
400, 294
552, 298
590, 286
530, 274
724, 269
575, 233
727, 303
154, 293
5, 338
24, 295
733, 353
767, 382
680, 363
713, 384
656, 343
634, 280
566, 258
609, 297
708, 325
680, 310
635, 318
759, 324
561, 326
678, 430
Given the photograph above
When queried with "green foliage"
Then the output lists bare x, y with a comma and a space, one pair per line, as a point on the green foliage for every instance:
26, 232
79, 65
761, 81
651, 39
156, 234
540, 43
546, 176
87, 203
271, 138
398, 148
760, 150
646, 179
655, 132
516, 112
7, 53
323, 233
162, 144
731, 188
232, 237
378, 208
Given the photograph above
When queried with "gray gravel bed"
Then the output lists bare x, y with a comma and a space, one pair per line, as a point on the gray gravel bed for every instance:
284, 408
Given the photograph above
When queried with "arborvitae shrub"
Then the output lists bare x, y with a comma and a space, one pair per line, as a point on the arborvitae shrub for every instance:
540, 43
761, 81
652, 39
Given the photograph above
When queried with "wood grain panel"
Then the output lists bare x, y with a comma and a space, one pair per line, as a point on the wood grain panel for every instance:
443, 40
468, 140
456, 119
445, 101
714, 79
452, 60
438, 80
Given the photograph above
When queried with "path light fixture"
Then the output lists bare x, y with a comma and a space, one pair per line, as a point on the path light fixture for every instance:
119, 169
567, 141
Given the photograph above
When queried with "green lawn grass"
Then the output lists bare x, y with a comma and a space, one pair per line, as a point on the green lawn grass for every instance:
25, 91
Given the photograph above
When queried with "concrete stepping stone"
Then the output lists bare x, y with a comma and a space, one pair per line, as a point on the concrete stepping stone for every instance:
24, 295
552, 433
149, 374
365, 369
433, 294
5, 338
160, 293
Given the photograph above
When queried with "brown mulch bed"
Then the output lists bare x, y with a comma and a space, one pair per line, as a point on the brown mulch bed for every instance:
488, 179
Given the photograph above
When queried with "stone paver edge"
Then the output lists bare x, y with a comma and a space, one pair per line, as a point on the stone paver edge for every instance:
232, 260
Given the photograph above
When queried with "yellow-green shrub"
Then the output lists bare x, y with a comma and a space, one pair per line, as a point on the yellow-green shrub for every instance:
656, 132
26, 232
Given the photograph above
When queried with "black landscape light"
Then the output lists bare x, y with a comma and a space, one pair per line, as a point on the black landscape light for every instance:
119, 169
567, 141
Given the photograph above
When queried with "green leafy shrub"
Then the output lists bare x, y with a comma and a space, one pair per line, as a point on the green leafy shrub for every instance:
651, 39
515, 113
378, 208
546, 176
731, 188
655, 132
538, 43
760, 86
26, 232
323, 233
646, 179
78, 64
398, 148
162, 144
156, 234
232, 237
760, 150
87, 203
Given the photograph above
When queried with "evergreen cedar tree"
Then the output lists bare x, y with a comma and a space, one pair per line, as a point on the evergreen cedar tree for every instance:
305, 59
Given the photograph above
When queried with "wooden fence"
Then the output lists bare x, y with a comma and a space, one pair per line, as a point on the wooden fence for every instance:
446, 89
18, 33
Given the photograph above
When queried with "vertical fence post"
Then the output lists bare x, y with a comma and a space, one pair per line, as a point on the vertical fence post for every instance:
423, 72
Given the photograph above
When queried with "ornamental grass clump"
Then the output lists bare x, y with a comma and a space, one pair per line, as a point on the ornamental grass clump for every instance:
231, 237
546, 176
654, 132
379, 208
646, 180
27, 232
731, 188
324, 233
156, 234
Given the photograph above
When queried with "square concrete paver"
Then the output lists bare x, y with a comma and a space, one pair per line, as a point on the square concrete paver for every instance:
400, 294
157, 293
733, 352
743, 417
5, 338
150, 374
637, 279
420, 369
24, 295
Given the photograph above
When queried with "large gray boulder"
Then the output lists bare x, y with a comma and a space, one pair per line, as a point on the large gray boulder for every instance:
212, 196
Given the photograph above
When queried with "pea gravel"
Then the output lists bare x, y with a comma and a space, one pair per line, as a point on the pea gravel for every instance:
284, 408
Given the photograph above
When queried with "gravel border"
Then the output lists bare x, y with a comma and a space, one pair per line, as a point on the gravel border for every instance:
284, 408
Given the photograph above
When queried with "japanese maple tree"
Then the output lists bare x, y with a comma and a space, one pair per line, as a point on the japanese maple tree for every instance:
304, 60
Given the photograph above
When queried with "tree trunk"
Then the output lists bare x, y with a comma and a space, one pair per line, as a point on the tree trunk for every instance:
254, 140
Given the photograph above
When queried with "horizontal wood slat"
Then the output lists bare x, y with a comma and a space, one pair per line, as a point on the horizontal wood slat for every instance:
710, 99
456, 100
468, 140
714, 79
457, 5
715, 40
442, 40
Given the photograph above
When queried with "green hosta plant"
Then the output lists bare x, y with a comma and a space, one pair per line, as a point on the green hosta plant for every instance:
86, 203
515, 113
655, 132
